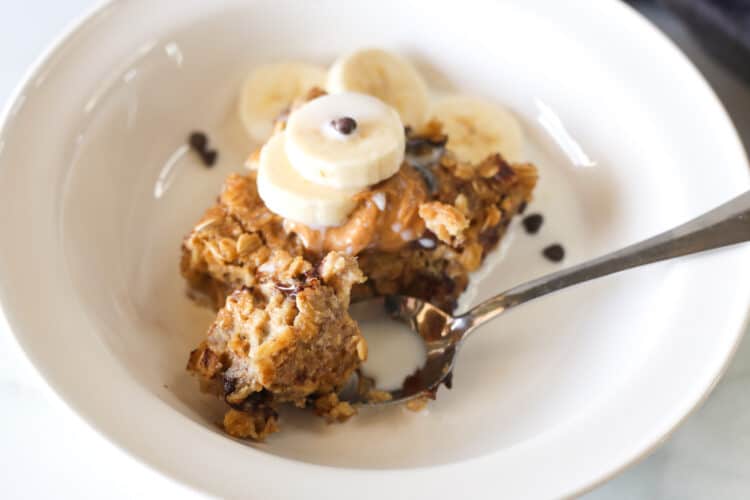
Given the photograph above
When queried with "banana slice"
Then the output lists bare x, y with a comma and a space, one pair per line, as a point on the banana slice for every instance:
345, 140
288, 194
477, 128
385, 76
270, 89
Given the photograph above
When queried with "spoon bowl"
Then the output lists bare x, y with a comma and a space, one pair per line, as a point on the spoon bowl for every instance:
435, 329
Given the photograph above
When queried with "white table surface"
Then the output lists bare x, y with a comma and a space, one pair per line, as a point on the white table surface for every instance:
48, 452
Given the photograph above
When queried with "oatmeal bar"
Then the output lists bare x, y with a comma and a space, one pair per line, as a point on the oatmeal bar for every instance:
419, 233
282, 289
284, 339
354, 194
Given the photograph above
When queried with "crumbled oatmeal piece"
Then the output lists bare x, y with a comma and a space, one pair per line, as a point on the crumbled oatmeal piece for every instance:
332, 409
250, 425
204, 362
446, 221
287, 337
376, 396
417, 404
366, 389
341, 272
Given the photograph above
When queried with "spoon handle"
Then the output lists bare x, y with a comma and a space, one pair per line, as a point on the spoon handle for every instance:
725, 225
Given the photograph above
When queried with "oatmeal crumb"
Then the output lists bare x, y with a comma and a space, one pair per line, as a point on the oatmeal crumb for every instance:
376, 396
488, 169
253, 426
417, 404
362, 349
494, 215
446, 221
462, 204
332, 409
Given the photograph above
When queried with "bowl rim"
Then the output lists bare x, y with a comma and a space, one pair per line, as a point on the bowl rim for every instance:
617, 9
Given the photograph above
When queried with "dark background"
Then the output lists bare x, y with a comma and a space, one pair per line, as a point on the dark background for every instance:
721, 26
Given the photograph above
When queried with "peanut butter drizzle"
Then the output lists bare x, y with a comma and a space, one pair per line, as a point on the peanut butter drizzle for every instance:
386, 218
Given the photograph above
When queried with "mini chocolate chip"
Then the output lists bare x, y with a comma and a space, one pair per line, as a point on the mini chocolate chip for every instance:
532, 223
209, 157
555, 253
522, 207
198, 141
344, 125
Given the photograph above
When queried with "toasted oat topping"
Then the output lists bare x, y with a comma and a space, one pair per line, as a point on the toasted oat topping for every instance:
332, 409
446, 221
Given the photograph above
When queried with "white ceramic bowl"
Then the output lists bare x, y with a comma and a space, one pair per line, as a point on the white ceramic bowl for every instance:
98, 189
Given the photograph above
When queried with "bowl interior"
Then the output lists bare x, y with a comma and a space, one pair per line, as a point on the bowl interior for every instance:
617, 164
135, 181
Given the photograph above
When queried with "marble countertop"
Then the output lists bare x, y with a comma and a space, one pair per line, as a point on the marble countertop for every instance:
48, 452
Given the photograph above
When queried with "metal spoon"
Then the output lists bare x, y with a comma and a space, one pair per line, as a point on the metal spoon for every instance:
443, 334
